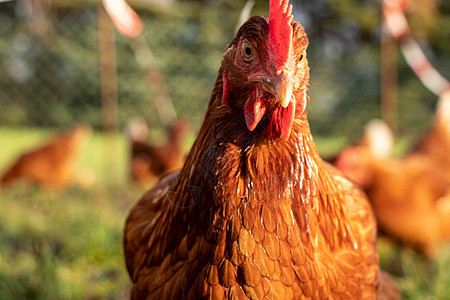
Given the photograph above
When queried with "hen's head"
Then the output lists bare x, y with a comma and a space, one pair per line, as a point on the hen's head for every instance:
265, 71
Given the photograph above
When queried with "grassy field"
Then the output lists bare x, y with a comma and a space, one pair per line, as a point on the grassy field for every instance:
67, 244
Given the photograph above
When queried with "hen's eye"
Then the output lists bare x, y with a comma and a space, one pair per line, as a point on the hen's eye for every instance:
300, 59
247, 51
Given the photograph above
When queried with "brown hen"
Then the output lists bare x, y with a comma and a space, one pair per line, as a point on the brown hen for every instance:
436, 142
255, 213
52, 164
150, 161
410, 195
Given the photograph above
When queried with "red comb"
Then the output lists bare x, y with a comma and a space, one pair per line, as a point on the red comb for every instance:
280, 30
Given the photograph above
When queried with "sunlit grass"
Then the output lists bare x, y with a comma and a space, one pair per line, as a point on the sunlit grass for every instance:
63, 244
417, 276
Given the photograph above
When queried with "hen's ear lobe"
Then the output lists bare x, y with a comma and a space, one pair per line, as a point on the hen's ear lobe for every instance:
225, 88
226, 64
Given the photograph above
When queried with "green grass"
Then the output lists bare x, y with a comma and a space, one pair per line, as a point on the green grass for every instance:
64, 244
67, 244
417, 277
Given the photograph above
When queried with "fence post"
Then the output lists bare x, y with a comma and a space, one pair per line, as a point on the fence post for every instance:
389, 78
108, 86
108, 71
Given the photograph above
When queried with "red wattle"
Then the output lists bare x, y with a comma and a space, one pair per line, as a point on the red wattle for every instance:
286, 120
253, 112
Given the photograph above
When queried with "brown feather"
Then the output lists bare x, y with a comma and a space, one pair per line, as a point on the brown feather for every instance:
227, 273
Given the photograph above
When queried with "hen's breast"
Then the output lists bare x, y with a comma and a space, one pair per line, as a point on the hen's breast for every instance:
260, 249
272, 254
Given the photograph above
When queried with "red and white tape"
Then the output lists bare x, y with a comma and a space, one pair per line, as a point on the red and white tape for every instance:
124, 17
396, 22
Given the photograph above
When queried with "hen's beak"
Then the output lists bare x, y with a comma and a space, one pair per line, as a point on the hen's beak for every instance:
280, 87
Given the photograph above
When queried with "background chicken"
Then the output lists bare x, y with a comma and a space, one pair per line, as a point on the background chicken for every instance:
376, 144
52, 164
255, 212
149, 161
436, 142
410, 195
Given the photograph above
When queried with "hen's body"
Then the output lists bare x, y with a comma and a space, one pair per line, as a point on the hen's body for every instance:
436, 143
411, 199
53, 164
261, 227
252, 215
410, 195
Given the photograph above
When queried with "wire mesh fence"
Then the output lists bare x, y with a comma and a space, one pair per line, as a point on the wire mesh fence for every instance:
49, 72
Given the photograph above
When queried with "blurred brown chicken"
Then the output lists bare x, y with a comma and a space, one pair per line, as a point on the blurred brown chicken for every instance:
255, 213
148, 162
52, 164
436, 142
410, 195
